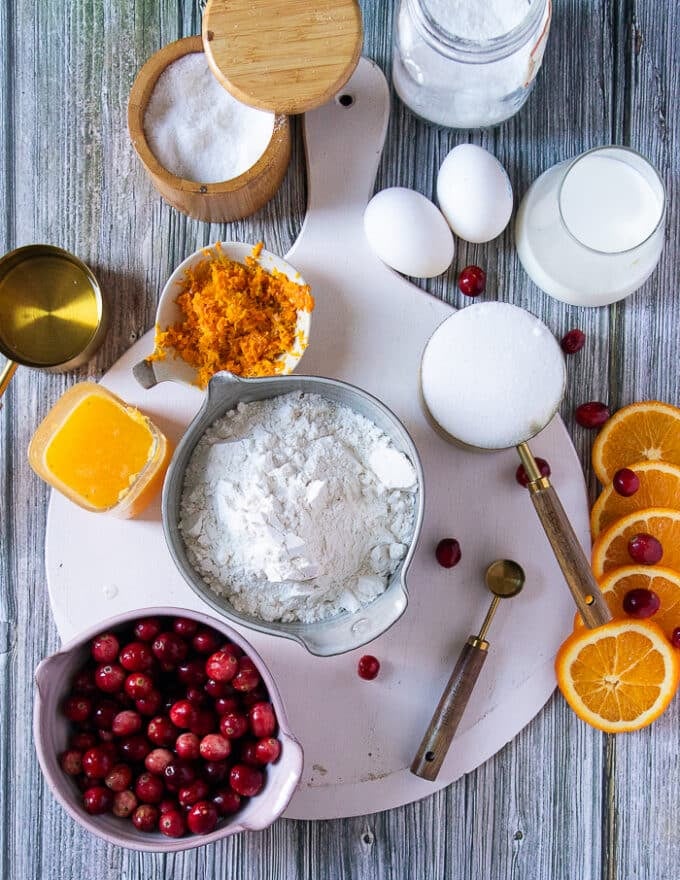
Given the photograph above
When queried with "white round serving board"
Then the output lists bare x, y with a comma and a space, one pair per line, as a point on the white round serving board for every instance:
369, 328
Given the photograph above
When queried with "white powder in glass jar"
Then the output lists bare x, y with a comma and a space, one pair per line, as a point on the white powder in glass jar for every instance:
197, 130
297, 508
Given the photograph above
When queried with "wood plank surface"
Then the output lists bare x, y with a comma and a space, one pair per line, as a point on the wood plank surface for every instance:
561, 801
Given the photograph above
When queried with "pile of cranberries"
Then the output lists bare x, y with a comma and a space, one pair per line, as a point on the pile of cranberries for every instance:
171, 726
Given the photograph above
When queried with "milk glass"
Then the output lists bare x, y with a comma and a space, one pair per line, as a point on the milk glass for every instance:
590, 231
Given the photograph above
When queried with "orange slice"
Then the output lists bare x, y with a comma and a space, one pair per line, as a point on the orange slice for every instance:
610, 550
620, 676
647, 431
659, 487
663, 581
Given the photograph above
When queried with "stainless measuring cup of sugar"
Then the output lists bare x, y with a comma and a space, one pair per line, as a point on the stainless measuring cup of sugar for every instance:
342, 632
492, 376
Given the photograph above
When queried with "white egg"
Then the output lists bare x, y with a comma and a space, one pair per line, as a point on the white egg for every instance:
408, 232
474, 193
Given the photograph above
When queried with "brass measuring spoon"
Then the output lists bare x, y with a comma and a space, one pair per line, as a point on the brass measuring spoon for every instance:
505, 579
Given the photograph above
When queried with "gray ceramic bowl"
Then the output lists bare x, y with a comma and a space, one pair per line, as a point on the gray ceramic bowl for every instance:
343, 632
50, 731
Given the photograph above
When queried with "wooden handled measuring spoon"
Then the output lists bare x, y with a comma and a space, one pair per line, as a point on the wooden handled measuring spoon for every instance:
505, 579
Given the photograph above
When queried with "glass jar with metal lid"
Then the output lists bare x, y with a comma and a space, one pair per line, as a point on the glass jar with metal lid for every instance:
465, 64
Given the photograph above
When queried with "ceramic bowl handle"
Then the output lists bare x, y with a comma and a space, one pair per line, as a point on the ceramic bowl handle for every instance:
435, 744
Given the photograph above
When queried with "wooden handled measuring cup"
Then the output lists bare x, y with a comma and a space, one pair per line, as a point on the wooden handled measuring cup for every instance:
492, 376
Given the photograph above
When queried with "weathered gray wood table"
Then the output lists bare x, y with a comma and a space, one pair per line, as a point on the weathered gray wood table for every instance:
561, 801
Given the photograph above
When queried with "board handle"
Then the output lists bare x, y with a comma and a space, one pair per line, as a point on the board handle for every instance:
435, 744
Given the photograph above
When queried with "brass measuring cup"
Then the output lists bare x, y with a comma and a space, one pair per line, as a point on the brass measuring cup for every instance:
52, 313
559, 531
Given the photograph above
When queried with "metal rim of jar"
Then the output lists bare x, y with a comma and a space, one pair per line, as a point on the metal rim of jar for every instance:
664, 195
472, 51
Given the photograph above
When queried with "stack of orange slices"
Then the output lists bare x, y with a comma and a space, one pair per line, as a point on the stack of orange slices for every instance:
622, 676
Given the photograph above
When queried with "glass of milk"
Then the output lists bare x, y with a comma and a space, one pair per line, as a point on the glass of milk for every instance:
590, 231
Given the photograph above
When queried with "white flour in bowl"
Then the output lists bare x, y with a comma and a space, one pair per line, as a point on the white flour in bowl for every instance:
297, 508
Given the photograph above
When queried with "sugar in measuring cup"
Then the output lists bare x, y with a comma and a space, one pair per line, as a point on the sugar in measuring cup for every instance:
492, 376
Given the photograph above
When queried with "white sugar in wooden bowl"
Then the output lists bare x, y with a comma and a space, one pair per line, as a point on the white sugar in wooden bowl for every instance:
492, 375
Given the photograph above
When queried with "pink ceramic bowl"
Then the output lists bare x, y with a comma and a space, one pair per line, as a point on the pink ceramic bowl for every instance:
50, 730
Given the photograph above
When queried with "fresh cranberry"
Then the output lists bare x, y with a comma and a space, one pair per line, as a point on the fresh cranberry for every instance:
83, 683
198, 790
187, 746
448, 552
82, 740
185, 627
183, 713
592, 415
97, 762
248, 752
247, 678
573, 341
104, 713
233, 725
135, 748
227, 801
214, 747
202, 817
232, 649
157, 760
71, 762
221, 666
216, 689
136, 657
521, 474
149, 788
197, 697
109, 677
675, 637
626, 482
172, 823
169, 648
138, 685
119, 777
126, 723
258, 695
148, 628
145, 817
192, 672
368, 667
262, 719
215, 772
178, 774
206, 641
204, 722
97, 800
161, 731
110, 749
77, 709
150, 704
105, 648
472, 281
641, 603
245, 780
106, 736
167, 805
124, 804
645, 549
267, 750
225, 705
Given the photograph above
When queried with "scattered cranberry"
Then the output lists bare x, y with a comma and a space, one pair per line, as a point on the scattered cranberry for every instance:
109, 677
119, 777
592, 415
472, 281
221, 666
626, 482
145, 817
573, 341
262, 719
521, 474
202, 817
105, 648
234, 725
97, 762
246, 780
368, 666
124, 804
227, 801
448, 552
645, 549
126, 723
268, 750
148, 628
641, 603
675, 637
214, 747
71, 762
136, 657
77, 709
172, 823
196, 791
97, 800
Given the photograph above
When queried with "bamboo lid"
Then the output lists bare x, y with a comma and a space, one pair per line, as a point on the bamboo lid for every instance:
286, 56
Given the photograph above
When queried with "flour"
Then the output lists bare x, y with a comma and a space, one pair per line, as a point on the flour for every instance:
297, 508
472, 20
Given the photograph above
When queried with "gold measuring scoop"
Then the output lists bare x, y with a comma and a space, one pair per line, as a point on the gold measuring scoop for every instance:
51, 311
505, 579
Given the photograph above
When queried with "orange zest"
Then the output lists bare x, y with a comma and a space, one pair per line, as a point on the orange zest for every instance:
659, 487
646, 431
663, 581
237, 317
610, 550
618, 677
